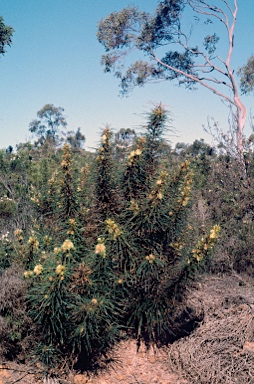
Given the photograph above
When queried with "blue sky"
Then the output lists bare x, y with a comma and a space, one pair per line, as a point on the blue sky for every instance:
55, 58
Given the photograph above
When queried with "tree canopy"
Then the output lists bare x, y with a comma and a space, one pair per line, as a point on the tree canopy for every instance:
46, 127
6, 34
173, 51
76, 139
246, 73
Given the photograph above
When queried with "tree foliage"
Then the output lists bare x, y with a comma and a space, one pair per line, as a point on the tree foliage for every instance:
171, 51
246, 73
46, 127
76, 139
6, 33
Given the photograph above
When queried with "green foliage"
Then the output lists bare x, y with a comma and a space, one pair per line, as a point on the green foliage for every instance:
123, 140
75, 139
46, 127
67, 201
134, 177
123, 32
169, 52
6, 34
110, 249
104, 183
15, 184
230, 204
246, 73
130, 28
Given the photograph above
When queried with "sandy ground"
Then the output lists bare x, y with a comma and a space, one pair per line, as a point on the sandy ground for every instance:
219, 297
129, 367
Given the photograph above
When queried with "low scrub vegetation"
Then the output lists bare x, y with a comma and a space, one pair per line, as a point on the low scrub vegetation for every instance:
99, 246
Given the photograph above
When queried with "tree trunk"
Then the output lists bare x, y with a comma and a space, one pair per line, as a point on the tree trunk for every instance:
240, 121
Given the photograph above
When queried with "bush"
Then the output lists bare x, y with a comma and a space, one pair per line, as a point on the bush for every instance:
15, 323
117, 260
229, 200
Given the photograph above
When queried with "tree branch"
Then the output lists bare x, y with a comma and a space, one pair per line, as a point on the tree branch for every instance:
194, 78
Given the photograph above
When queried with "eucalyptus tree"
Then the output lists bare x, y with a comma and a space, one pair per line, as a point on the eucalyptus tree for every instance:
48, 123
174, 49
76, 139
6, 33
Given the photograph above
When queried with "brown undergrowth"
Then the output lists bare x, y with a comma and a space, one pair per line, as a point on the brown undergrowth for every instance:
221, 350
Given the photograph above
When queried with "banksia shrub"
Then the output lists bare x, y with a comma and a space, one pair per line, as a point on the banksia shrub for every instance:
157, 233
156, 128
43, 188
105, 185
134, 177
48, 297
67, 194
205, 244
71, 305
111, 250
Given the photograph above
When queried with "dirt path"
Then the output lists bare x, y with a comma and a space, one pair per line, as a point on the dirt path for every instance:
130, 367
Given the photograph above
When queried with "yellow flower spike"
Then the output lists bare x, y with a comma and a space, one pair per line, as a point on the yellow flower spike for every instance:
60, 269
134, 206
131, 155
100, 249
94, 301
199, 257
214, 232
185, 202
33, 242
18, 232
47, 240
150, 258
113, 228
57, 250
120, 281
38, 269
206, 243
138, 152
67, 245
28, 274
